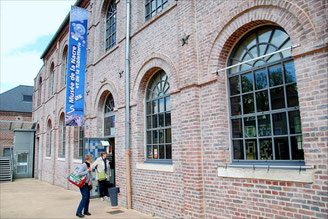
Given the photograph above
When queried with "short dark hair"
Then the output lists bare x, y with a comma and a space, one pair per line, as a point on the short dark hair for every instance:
102, 153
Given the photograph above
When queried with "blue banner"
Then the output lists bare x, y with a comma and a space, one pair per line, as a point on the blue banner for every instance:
77, 46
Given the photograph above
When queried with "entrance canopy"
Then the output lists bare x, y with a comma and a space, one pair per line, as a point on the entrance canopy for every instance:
16, 125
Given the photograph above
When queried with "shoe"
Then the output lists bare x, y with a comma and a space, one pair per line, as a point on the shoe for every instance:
80, 215
87, 213
102, 199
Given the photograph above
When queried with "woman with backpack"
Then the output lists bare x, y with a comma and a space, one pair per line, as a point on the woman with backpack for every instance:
103, 174
85, 170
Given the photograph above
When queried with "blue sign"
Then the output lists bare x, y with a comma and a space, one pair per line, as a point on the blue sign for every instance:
76, 66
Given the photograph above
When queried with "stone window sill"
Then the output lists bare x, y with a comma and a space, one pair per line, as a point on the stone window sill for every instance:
48, 158
155, 167
303, 175
61, 159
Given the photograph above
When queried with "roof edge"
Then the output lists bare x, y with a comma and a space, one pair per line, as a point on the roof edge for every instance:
61, 27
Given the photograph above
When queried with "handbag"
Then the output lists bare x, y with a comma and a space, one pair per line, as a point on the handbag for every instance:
101, 176
75, 179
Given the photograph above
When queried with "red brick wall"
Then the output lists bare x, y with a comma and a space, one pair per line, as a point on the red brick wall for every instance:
199, 99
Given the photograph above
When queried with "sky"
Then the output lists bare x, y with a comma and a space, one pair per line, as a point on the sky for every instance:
27, 27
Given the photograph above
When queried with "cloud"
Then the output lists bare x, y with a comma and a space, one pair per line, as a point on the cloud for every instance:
38, 45
27, 27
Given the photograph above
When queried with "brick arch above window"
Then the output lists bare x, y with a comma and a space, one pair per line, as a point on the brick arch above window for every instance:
248, 17
101, 96
149, 67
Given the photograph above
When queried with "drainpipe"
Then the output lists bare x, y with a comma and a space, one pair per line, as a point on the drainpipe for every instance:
127, 107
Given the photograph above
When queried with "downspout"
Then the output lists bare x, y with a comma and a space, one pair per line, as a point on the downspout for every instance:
127, 107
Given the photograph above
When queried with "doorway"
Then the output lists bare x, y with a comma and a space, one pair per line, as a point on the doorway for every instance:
95, 146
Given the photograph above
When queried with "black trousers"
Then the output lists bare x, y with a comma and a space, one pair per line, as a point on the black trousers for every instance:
103, 188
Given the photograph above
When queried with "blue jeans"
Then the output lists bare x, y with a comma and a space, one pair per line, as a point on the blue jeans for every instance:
84, 204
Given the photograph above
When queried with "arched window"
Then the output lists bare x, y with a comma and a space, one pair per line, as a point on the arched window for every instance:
111, 25
49, 139
40, 91
109, 117
64, 66
158, 116
51, 79
264, 109
62, 136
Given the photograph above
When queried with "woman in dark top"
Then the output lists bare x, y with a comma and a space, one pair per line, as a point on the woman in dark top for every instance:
85, 170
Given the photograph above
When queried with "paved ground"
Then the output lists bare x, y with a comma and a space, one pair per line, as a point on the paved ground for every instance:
30, 198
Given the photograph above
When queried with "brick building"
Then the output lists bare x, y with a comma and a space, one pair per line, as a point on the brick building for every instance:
15, 105
206, 142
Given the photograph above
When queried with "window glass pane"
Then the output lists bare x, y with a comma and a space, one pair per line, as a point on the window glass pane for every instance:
148, 137
278, 37
112, 125
277, 98
168, 104
168, 151
247, 66
238, 149
149, 122
290, 72
237, 131
264, 35
279, 123
247, 82
250, 127
275, 75
155, 107
262, 101
235, 106
155, 137
149, 152
248, 103
253, 52
264, 125
234, 85
251, 150
274, 58
161, 105
262, 49
149, 108
297, 148
161, 152
292, 95
261, 79
266, 149
281, 148
168, 136
167, 119
295, 122
161, 120
155, 147
107, 126
161, 136
155, 123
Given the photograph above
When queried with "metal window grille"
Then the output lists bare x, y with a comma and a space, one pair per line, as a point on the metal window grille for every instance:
152, 7
158, 118
264, 110
111, 25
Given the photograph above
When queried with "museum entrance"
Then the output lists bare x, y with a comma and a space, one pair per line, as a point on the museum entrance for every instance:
95, 146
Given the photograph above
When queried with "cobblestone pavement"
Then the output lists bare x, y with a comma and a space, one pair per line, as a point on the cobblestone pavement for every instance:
30, 198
